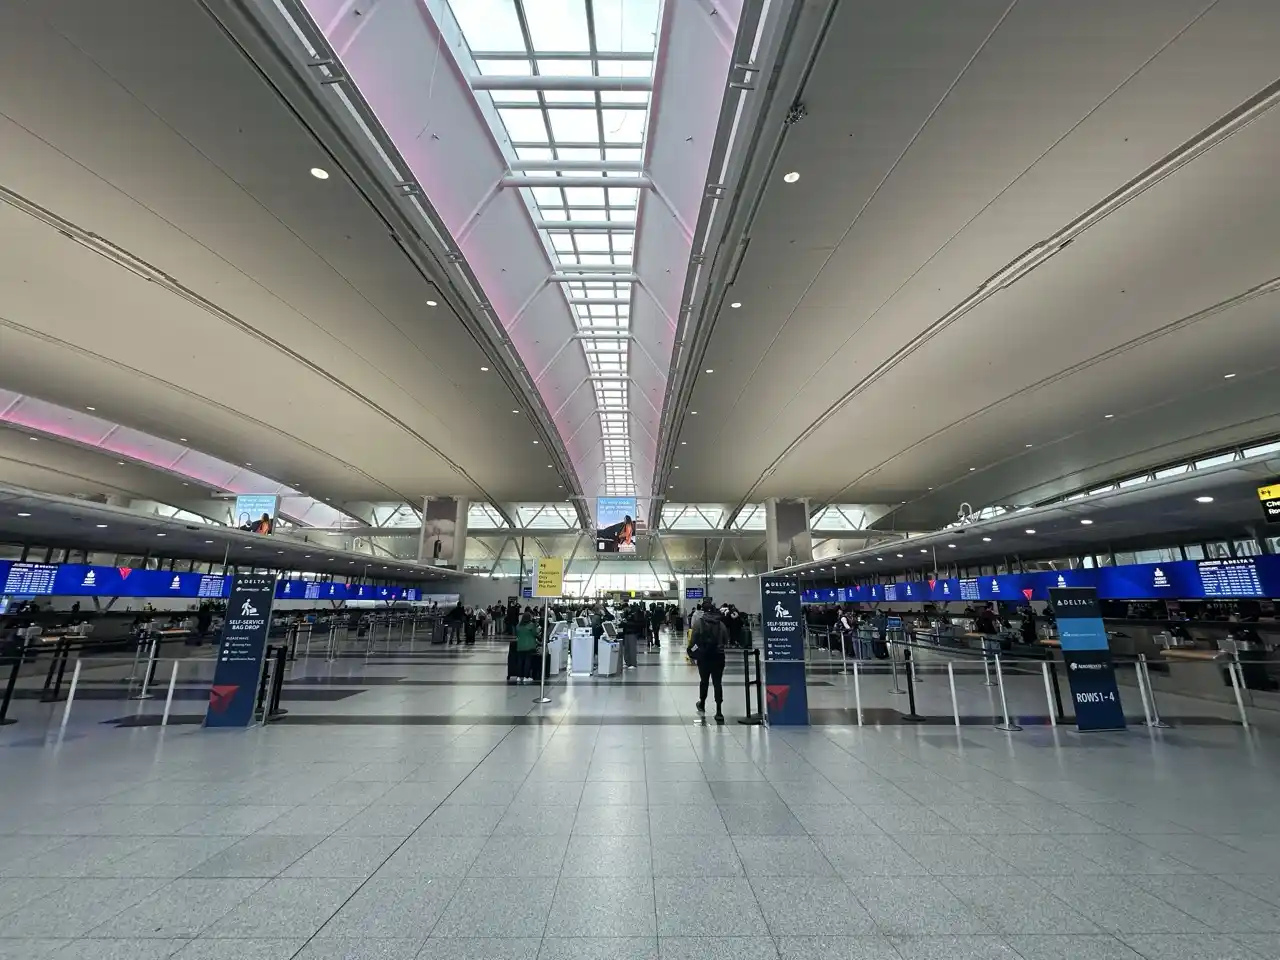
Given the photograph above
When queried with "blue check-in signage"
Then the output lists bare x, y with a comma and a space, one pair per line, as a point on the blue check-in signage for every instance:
782, 629
694, 593
1178, 580
240, 652
1086, 651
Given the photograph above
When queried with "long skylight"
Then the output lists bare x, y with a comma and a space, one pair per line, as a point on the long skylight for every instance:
570, 82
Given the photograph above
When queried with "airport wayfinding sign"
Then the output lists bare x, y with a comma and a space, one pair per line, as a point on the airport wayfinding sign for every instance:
240, 652
1087, 654
548, 580
782, 629
1269, 497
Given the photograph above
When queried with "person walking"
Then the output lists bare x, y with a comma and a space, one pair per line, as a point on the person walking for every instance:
707, 646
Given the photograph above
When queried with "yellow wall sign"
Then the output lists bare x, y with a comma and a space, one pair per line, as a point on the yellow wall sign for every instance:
1271, 492
549, 580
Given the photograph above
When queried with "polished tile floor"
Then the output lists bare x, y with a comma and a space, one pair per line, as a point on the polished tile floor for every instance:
619, 827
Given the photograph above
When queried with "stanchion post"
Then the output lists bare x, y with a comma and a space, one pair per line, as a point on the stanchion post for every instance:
264, 678
857, 692
133, 670
1142, 693
1057, 691
19, 656
951, 681
149, 672
1048, 693
168, 698
273, 711
1008, 724
752, 719
893, 667
71, 695
542, 680
1232, 666
1151, 691
911, 688
844, 661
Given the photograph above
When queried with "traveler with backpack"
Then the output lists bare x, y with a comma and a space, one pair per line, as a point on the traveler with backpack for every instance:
707, 646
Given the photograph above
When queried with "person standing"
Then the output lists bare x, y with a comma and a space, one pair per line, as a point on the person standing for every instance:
707, 646
526, 645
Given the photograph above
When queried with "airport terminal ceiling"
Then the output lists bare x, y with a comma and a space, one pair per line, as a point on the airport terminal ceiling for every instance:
986, 255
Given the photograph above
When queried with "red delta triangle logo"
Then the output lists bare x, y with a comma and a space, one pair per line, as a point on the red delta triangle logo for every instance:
1027, 592
220, 697
776, 695
932, 583
124, 572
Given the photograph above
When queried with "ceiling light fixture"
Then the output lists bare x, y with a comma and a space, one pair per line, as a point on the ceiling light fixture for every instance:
1030, 530
432, 303
34, 438
515, 411
161, 534
24, 514
484, 369
208, 541
951, 546
1204, 499
924, 551
1109, 416
791, 177
735, 305
119, 463
862, 561
1228, 376
1087, 522
1028, 446
535, 441
709, 370
693, 413
879, 559
319, 174
182, 439
986, 539
899, 556
101, 526
91, 409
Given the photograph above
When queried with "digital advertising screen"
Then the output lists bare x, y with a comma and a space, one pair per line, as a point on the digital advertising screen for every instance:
256, 512
616, 525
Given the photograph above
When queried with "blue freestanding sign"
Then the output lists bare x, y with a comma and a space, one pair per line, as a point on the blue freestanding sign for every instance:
1087, 654
244, 640
782, 625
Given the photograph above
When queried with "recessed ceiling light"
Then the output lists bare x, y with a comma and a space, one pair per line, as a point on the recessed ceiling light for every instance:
931, 488
1108, 416
986, 539
24, 514
1030, 530
102, 526
161, 534
248, 548
515, 411
684, 443
1227, 376
971, 469
319, 174
182, 439
951, 546
248, 464
899, 555
306, 556
846, 564
484, 369
34, 438
791, 177
709, 370
1204, 499
924, 551
693, 412
735, 305
119, 463
879, 558
535, 441
91, 409
432, 303
1028, 446
208, 541
281, 551
1087, 522
548, 466
862, 561
350, 561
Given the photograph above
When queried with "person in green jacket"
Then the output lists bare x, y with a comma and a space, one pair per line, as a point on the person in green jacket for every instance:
526, 646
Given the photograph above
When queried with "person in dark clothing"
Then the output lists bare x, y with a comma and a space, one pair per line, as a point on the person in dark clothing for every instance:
656, 618
1029, 626
707, 650
454, 623
987, 622
470, 624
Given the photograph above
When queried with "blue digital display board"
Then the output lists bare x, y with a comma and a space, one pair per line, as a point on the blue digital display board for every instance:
1177, 580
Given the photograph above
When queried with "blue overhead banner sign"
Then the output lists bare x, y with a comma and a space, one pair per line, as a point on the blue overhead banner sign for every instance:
782, 629
694, 593
240, 652
1087, 654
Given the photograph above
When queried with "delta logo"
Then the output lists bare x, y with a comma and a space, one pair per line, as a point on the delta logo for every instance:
220, 697
775, 696
1027, 592
1062, 581
1158, 578
90, 579
995, 586
175, 584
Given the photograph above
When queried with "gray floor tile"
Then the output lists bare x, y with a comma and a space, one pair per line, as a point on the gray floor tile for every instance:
625, 793
687, 821
1118, 853
166, 857
980, 818
271, 949
258, 855
181, 908
668, 772
240, 820
979, 947
782, 857
350, 793
1045, 816
560, 793
915, 906
956, 855
15, 892
488, 792
119, 950
1265, 945
833, 819
1072, 948
1119, 905
433, 856
542, 820
311, 820
498, 908
479, 948
470, 820
585, 907
760, 819
344, 857
392, 907
80, 857
599, 948
714, 856
601, 821
1014, 905
810, 907
75, 907
286, 906
906, 819
874, 947
707, 906
589, 856
717, 948
1220, 906
680, 792
41, 949
808, 792
380, 820
1039, 856
342, 948
869, 855
744, 791
1156, 946
511, 856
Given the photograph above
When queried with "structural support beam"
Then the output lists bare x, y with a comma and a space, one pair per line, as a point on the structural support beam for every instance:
613, 166
524, 180
480, 55
601, 302
602, 336
578, 277
503, 82
586, 226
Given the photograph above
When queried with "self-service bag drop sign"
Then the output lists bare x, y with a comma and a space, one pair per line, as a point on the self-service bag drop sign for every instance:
782, 624
244, 640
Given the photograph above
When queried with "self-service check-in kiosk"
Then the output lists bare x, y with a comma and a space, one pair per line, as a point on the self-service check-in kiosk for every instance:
608, 652
583, 649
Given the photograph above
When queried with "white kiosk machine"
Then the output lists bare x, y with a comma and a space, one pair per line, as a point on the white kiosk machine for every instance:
609, 652
557, 648
582, 657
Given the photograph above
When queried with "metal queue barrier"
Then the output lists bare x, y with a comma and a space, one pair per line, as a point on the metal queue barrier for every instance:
757, 718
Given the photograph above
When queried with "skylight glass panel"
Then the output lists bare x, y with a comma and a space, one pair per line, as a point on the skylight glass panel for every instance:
502, 98
625, 68
489, 24
623, 126
626, 26
505, 68
577, 196
574, 125
524, 125
557, 24
569, 96
564, 68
